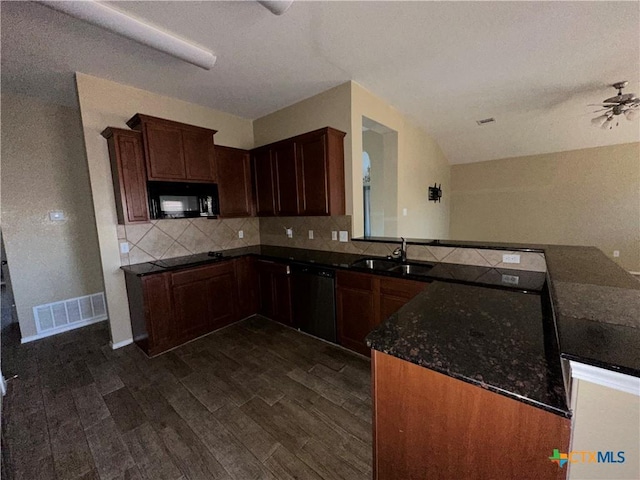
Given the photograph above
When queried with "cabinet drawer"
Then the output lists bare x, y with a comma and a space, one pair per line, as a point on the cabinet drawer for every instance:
201, 273
398, 287
273, 267
358, 281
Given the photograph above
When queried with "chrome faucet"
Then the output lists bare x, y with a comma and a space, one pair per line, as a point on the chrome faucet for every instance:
401, 251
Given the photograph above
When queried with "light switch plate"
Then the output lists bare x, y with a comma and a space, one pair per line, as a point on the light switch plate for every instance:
511, 258
344, 236
334, 235
124, 247
289, 232
404, 212
310, 234
57, 216
240, 233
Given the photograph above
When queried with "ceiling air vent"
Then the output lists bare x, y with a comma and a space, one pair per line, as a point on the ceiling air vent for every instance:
484, 121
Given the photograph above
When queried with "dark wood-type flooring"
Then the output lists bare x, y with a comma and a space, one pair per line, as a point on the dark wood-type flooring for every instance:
254, 400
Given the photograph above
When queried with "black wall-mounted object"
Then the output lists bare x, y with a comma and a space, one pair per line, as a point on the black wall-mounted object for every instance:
435, 193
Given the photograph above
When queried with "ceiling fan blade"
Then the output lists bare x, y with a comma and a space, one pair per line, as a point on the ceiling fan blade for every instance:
601, 110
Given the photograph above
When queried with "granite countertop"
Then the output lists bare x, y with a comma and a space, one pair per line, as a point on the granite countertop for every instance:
506, 340
500, 340
597, 308
468, 274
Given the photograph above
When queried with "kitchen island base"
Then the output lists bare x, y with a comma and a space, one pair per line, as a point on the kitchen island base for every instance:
430, 425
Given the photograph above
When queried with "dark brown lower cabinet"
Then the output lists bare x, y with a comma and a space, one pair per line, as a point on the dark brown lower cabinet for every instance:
427, 425
151, 310
168, 309
247, 280
363, 301
204, 298
274, 287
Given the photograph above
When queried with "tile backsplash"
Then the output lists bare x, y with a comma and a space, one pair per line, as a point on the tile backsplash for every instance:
273, 232
175, 238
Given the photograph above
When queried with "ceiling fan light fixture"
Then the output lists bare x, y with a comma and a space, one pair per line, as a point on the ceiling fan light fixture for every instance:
608, 123
598, 121
622, 104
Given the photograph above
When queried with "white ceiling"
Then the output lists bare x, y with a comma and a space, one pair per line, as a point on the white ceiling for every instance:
532, 65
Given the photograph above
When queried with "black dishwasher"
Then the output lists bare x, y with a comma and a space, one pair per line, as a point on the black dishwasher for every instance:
314, 300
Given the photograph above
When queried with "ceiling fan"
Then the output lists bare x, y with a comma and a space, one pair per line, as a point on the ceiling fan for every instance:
626, 104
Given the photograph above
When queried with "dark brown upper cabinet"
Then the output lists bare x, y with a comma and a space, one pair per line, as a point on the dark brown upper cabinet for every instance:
234, 182
320, 156
285, 174
128, 174
302, 175
263, 182
174, 151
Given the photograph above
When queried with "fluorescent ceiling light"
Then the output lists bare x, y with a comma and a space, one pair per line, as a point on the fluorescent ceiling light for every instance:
115, 21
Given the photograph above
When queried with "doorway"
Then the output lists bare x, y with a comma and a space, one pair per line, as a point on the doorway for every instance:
379, 179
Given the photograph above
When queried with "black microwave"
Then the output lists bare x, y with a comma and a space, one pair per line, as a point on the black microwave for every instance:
183, 200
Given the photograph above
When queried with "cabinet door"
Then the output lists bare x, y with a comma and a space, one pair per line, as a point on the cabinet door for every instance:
234, 182
281, 285
265, 293
158, 312
164, 152
223, 296
263, 183
247, 282
198, 155
394, 293
356, 309
128, 174
193, 316
313, 172
286, 179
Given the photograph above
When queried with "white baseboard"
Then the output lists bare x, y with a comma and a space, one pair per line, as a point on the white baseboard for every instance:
63, 329
123, 343
606, 378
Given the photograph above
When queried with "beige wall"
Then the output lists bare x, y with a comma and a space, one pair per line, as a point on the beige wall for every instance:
104, 103
420, 163
44, 169
580, 197
608, 420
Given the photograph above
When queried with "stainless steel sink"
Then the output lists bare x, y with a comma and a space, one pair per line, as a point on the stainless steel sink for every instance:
412, 269
375, 264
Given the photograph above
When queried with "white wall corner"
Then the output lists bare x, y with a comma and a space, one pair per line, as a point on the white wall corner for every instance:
606, 378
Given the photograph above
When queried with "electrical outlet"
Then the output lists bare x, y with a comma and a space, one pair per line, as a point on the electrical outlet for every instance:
56, 216
511, 258
289, 232
240, 233
334, 235
310, 234
616, 253
344, 236
510, 279
124, 247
